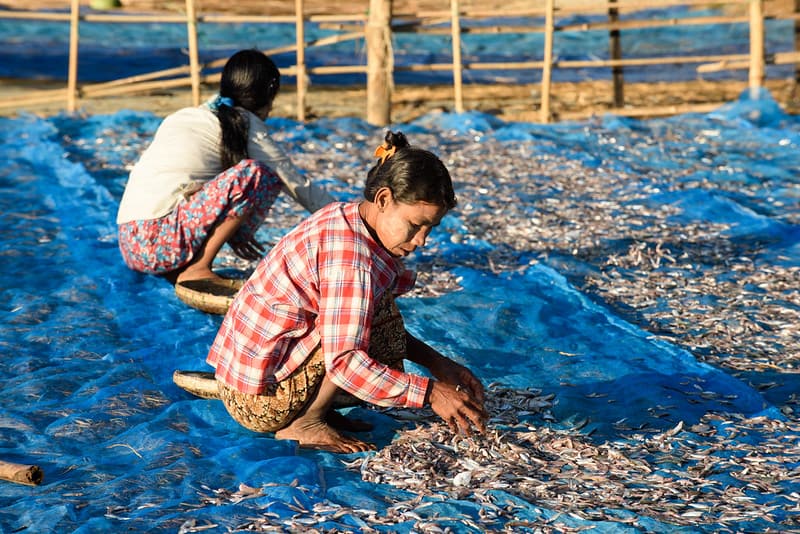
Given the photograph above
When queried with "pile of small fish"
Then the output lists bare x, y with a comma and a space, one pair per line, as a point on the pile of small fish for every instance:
672, 477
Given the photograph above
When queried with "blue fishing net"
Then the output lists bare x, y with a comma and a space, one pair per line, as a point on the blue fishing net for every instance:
89, 347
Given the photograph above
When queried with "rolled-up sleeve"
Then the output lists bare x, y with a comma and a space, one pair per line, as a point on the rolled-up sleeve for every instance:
262, 148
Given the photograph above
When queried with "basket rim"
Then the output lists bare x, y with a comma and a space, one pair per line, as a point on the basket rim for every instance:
200, 294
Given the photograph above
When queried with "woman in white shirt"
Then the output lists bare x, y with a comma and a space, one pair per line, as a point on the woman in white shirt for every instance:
209, 177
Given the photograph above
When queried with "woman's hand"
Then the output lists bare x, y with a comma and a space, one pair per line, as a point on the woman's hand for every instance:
456, 395
455, 374
459, 408
248, 250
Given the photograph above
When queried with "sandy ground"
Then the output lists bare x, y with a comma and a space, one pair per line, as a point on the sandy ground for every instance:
508, 102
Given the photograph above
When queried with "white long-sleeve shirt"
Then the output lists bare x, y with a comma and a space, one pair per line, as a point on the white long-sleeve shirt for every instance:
185, 154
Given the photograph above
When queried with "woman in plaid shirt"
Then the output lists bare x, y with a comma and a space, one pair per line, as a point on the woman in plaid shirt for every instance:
317, 319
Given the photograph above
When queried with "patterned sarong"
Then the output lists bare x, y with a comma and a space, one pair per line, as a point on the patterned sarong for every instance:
282, 402
158, 246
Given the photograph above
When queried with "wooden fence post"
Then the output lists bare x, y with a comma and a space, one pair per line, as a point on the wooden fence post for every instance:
455, 31
194, 61
547, 62
300, 71
796, 45
72, 71
380, 63
756, 46
616, 54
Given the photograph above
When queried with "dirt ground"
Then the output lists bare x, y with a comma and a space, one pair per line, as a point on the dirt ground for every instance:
569, 101
508, 102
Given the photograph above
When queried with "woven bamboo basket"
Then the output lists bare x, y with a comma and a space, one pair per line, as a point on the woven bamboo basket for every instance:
210, 296
199, 383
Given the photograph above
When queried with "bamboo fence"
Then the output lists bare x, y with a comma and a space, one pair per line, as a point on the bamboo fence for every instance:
376, 29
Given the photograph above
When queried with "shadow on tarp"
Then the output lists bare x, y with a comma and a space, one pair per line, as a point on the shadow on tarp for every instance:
535, 329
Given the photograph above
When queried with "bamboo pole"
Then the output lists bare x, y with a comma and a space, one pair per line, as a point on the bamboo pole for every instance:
648, 111
143, 77
359, 18
435, 67
474, 13
93, 17
629, 5
300, 40
72, 69
734, 59
657, 23
796, 46
742, 62
148, 82
138, 87
380, 62
577, 8
399, 26
547, 70
455, 31
220, 62
142, 86
181, 19
422, 27
43, 97
34, 15
616, 54
633, 62
756, 46
580, 64
724, 62
734, 63
339, 69
194, 59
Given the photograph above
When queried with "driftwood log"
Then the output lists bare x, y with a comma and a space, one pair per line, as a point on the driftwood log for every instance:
20, 473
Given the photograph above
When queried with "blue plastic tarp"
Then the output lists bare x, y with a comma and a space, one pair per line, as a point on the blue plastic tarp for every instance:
89, 347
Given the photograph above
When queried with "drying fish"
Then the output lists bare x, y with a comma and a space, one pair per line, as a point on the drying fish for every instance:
723, 300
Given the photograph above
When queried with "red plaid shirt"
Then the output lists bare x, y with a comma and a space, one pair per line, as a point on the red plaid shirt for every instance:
319, 284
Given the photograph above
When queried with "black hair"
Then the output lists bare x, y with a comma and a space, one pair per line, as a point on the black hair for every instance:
251, 80
412, 174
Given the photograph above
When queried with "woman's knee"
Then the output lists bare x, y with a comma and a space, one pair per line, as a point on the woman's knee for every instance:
251, 166
257, 174
254, 167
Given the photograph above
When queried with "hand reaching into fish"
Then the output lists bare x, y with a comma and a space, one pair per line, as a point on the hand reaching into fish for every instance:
456, 395
462, 411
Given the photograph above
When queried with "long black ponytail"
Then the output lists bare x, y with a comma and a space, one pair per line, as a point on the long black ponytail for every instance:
249, 80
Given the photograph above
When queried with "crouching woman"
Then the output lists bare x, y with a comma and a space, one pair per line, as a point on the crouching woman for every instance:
318, 317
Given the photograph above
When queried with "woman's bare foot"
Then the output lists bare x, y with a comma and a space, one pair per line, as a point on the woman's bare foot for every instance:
342, 422
197, 273
315, 434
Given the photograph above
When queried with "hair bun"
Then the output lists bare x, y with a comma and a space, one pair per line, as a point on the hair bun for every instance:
396, 139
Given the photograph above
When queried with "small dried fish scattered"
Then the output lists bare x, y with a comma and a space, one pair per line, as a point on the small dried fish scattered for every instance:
672, 476
731, 302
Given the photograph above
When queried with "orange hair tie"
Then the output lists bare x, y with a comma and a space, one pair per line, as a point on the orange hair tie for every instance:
385, 153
